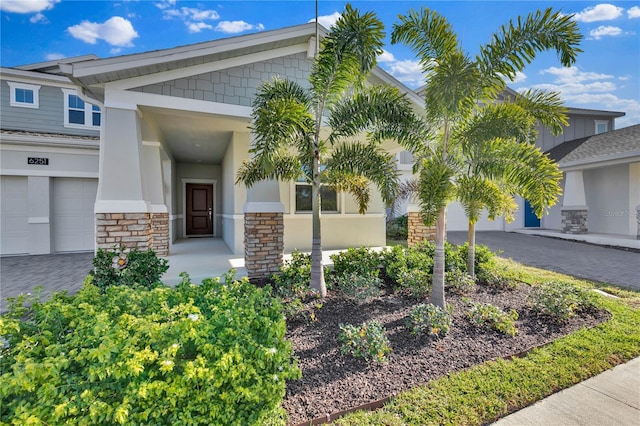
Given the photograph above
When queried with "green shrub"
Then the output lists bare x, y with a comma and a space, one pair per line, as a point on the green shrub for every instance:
400, 260
497, 278
360, 261
366, 342
489, 316
484, 258
459, 282
359, 288
417, 282
294, 276
398, 228
452, 257
428, 319
198, 354
560, 300
120, 266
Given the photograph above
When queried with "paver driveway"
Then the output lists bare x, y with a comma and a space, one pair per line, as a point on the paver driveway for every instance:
581, 260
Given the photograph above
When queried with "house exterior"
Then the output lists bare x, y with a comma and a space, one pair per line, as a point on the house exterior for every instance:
49, 141
175, 130
582, 124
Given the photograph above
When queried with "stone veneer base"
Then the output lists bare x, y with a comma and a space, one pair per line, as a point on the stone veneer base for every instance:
263, 243
142, 231
574, 221
418, 232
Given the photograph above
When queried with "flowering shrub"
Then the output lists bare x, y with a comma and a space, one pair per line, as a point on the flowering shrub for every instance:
428, 319
119, 266
561, 301
490, 316
293, 278
359, 288
198, 354
367, 341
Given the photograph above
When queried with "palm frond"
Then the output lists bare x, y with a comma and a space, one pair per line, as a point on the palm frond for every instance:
348, 53
547, 107
517, 43
282, 167
428, 34
407, 190
366, 160
436, 188
380, 111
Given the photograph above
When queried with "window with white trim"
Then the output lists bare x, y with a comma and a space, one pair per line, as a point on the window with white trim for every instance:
602, 126
24, 95
78, 113
328, 198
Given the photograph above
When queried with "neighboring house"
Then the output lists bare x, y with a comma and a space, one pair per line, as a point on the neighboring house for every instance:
601, 184
583, 123
175, 130
49, 140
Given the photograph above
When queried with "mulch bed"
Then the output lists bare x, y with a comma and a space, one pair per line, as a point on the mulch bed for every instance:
333, 382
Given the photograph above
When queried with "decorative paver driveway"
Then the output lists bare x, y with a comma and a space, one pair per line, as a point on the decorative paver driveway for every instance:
597, 263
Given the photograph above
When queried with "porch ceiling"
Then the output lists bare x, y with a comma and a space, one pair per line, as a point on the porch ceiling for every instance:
193, 137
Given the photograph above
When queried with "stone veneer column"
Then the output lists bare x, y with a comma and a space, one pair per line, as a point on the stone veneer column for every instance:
574, 221
132, 230
418, 232
160, 233
263, 243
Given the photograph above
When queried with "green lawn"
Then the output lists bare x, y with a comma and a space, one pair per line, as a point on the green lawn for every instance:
494, 389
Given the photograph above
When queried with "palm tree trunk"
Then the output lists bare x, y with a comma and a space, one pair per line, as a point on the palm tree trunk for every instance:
471, 255
317, 270
437, 291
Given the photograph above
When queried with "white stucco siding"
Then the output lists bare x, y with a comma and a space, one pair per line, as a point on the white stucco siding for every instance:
338, 231
457, 220
634, 197
607, 196
553, 220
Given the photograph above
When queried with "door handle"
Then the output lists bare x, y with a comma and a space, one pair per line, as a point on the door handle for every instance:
210, 214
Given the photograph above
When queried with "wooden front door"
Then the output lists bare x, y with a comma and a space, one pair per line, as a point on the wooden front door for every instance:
199, 209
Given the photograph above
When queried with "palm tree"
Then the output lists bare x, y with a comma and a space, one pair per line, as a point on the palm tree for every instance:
288, 120
500, 160
457, 85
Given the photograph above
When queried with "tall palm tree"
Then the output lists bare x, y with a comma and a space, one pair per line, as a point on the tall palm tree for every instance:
457, 84
316, 133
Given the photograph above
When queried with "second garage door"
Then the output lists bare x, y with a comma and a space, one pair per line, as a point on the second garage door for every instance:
73, 218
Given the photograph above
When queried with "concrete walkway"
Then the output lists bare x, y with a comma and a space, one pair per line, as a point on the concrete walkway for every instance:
604, 264
610, 398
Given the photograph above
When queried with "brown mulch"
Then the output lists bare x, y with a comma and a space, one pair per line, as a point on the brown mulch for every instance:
333, 382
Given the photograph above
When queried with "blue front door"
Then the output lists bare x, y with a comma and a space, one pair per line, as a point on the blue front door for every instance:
530, 218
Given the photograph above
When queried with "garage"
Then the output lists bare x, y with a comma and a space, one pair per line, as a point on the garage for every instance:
13, 215
73, 219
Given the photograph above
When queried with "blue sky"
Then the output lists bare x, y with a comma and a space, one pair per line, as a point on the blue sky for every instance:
606, 75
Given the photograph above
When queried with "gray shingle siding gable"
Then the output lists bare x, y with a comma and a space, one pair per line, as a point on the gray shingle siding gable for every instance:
235, 85
579, 127
48, 118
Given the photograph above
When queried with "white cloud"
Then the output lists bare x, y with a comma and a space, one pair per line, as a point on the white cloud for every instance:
519, 78
574, 75
634, 12
38, 17
406, 71
27, 6
234, 27
600, 12
115, 50
196, 27
605, 31
194, 19
116, 31
386, 57
327, 21
54, 56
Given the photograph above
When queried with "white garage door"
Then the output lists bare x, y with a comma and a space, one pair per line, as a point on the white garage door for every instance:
13, 215
73, 218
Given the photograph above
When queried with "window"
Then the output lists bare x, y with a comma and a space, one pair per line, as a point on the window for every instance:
602, 126
78, 113
24, 95
328, 197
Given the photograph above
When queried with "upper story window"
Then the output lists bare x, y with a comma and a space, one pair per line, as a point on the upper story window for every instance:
602, 126
24, 95
78, 113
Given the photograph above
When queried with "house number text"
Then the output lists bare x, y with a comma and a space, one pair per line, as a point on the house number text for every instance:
38, 161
